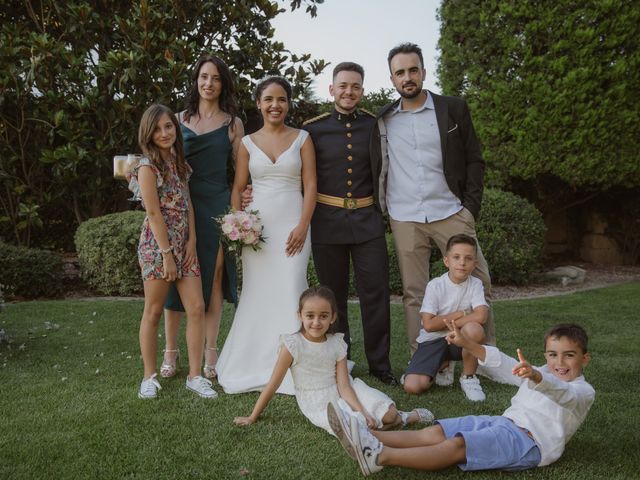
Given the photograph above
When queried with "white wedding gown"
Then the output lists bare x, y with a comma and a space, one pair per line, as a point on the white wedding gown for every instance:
271, 281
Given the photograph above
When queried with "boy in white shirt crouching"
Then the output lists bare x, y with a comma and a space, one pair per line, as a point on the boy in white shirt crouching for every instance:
458, 296
548, 409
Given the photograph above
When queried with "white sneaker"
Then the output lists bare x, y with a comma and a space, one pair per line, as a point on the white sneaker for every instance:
149, 388
471, 388
339, 423
202, 387
444, 377
367, 446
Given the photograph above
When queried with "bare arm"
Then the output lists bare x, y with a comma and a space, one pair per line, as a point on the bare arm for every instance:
149, 193
456, 337
279, 371
235, 137
296, 239
241, 177
436, 323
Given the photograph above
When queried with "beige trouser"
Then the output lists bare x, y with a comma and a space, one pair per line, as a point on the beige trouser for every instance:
413, 248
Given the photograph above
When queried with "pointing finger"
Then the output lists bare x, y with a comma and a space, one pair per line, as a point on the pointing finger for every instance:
520, 356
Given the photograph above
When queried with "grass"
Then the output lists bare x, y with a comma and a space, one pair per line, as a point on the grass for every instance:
68, 404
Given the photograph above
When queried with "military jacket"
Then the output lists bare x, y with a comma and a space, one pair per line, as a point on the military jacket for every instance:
343, 167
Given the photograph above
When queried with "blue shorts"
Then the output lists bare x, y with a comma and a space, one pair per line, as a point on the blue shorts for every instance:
492, 443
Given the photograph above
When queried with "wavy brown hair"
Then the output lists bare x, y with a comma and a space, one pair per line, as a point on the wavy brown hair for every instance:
227, 100
148, 125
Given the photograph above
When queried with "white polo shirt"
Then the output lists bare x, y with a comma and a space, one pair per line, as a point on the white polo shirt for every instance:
443, 296
417, 190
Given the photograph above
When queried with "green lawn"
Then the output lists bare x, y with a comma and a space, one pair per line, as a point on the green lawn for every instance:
69, 406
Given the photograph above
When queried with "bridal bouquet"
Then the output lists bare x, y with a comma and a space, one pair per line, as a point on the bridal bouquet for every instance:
240, 228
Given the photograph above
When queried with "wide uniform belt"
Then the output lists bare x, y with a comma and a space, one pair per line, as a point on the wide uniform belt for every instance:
348, 203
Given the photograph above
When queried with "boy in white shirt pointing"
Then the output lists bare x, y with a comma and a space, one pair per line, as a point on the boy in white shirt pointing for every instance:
551, 404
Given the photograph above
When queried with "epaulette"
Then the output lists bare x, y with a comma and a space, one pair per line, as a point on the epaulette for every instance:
315, 119
364, 110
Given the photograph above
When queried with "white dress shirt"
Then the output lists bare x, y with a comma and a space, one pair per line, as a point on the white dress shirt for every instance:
551, 410
417, 190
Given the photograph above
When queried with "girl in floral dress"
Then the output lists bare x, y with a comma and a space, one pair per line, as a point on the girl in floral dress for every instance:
166, 251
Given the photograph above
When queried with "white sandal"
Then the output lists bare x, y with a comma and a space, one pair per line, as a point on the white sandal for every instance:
424, 416
209, 371
167, 369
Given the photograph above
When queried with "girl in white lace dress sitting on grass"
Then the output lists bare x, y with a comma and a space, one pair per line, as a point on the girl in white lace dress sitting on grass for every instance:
318, 363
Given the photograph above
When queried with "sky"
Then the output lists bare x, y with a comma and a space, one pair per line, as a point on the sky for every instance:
362, 31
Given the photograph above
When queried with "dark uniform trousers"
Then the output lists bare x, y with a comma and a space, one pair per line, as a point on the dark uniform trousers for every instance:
341, 236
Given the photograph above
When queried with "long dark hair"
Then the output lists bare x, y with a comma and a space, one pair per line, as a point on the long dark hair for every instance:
148, 123
227, 101
325, 293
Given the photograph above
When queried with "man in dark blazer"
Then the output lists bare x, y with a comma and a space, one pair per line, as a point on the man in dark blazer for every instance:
428, 168
346, 227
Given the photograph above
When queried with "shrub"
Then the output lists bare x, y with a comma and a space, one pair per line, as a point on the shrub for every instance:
511, 232
29, 272
107, 252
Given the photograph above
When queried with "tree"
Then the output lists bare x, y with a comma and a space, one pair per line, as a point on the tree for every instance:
76, 76
552, 86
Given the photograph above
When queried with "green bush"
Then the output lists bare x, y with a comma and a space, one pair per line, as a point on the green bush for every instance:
511, 232
29, 272
107, 252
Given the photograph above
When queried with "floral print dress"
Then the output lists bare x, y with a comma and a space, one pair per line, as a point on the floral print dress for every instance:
174, 205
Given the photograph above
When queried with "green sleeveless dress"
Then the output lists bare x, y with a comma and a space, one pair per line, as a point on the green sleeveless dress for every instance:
208, 155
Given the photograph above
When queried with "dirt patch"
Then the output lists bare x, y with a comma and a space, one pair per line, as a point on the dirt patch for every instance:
597, 276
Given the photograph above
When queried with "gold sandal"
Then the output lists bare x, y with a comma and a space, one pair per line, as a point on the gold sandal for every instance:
209, 371
168, 369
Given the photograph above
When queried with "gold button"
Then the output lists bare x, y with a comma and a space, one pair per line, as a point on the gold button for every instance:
349, 158
349, 134
349, 170
349, 182
349, 195
348, 125
349, 146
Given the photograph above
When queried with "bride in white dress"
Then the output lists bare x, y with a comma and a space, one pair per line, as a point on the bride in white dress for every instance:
281, 161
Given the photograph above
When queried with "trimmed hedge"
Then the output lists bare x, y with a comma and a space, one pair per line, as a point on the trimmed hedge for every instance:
29, 272
107, 252
511, 233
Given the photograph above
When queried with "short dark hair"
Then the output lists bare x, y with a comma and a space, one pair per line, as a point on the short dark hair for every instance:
264, 83
348, 67
461, 238
405, 48
571, 331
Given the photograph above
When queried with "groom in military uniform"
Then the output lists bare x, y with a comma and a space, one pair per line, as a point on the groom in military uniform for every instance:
346, 225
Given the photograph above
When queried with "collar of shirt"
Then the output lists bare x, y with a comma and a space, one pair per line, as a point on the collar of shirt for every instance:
344, 117
428, 103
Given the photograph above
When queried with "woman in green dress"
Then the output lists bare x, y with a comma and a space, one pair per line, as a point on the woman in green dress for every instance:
212, 131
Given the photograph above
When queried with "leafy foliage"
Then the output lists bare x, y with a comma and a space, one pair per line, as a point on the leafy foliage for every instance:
29, 273
552, 86
511, 233
76, 76
107, 252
